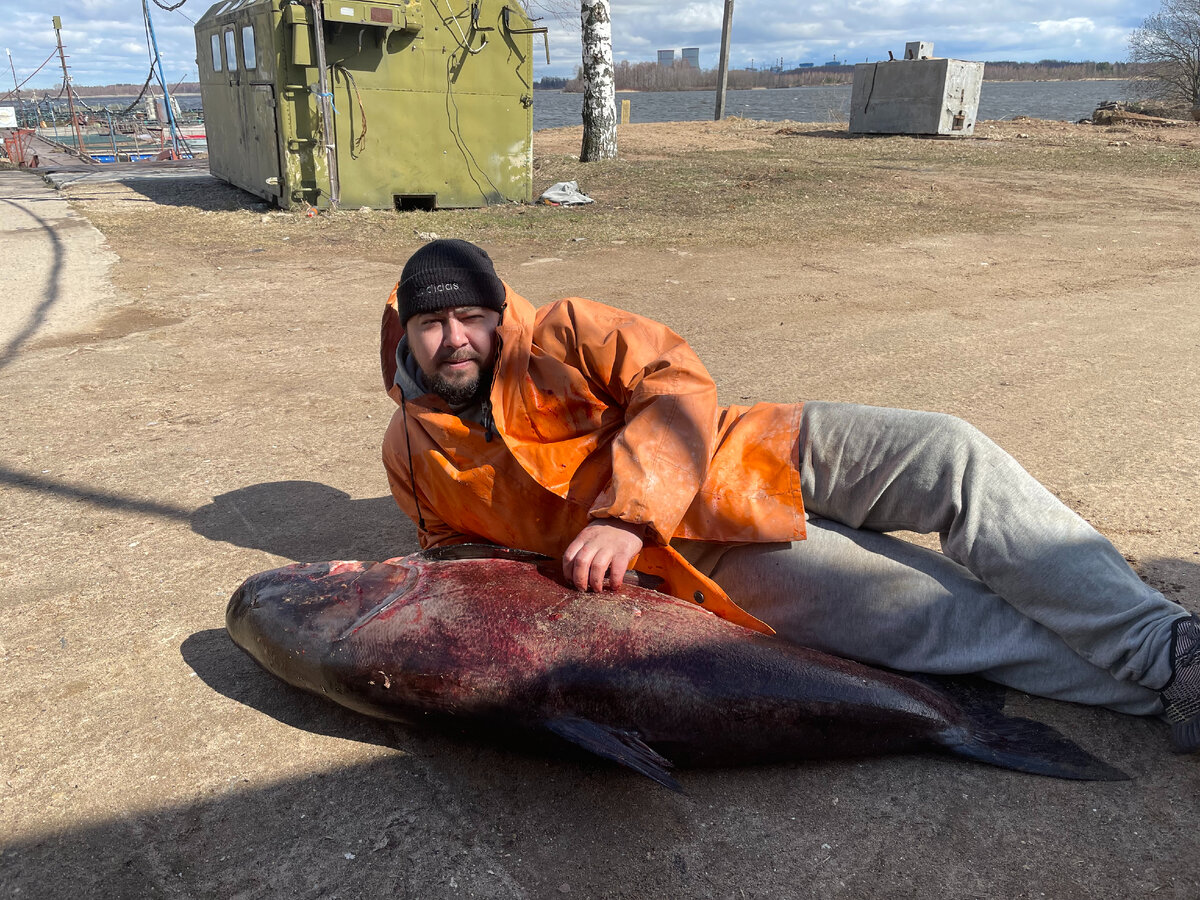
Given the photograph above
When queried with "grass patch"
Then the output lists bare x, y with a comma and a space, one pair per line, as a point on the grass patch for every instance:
675, 185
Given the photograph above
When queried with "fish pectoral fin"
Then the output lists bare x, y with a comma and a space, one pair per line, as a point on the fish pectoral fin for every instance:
623, 747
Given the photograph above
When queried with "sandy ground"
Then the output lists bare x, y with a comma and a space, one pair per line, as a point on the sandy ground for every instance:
219, 412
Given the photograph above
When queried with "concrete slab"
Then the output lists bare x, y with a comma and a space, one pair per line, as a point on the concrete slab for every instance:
54, 264
81, 173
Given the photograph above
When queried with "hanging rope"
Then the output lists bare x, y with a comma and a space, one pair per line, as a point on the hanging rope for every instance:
78, 99
329, 96
26, 81
141, 93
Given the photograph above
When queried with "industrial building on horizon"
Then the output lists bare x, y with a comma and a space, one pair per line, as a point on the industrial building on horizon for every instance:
690, 56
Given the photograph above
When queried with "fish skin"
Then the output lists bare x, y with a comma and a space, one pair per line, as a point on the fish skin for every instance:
494, 636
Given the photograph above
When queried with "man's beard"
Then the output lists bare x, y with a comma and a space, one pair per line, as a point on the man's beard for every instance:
461, 392
457, 394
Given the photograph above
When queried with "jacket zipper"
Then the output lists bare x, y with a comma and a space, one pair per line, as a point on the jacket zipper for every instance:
489, 426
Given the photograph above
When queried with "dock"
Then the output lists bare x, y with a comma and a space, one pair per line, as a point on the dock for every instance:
60, 166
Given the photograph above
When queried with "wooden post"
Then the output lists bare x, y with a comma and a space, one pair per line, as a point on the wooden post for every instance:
723, 69
67, 87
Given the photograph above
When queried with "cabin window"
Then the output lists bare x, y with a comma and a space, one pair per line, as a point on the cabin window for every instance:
230, 50
216, 52
248, 56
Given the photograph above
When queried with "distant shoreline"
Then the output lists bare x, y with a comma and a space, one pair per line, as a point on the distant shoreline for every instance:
122, 96
797, 87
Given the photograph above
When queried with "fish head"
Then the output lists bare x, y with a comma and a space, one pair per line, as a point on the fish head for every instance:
288, 618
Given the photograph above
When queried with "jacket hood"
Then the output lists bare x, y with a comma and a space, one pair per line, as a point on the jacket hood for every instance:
408, 378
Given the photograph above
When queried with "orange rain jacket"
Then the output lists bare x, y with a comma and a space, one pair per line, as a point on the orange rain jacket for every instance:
598, 413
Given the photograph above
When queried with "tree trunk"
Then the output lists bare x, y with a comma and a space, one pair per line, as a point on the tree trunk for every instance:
599, 94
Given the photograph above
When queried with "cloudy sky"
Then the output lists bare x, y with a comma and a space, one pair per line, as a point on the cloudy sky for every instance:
106, 39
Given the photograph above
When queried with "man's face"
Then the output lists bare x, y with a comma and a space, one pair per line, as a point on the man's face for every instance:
454, 348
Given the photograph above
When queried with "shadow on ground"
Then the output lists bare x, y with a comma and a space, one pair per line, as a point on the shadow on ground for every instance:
449, 819
401, 826
307, 521
201, 191
222, 665
51, 291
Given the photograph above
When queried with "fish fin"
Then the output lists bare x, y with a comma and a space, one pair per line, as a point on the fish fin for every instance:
623, 747
552, 569
454, 552
1028, 746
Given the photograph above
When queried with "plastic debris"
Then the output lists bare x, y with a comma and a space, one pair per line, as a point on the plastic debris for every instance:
565, 193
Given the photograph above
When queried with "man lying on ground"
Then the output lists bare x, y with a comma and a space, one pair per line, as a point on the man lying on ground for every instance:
593, 435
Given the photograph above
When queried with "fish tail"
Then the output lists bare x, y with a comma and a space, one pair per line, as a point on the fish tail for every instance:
1027, 746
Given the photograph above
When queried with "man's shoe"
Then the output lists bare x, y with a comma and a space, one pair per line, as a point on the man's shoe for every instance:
1181, 695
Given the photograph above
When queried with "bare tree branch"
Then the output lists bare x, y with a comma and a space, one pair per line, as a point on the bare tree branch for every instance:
1168, 45
563, 11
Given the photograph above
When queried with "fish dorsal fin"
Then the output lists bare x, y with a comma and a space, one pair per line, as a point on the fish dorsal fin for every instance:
454, 552
623, 747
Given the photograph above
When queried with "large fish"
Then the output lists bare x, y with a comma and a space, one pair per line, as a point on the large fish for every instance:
641, 678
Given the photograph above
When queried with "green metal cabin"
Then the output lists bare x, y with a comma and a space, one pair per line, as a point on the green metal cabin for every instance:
431, 101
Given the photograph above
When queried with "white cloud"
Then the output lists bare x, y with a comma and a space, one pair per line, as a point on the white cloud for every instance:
105, 39
692, 17
1066, 27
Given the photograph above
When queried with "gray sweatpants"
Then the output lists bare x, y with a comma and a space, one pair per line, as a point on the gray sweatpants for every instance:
1025, 593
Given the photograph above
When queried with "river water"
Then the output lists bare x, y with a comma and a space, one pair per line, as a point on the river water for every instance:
1063, 100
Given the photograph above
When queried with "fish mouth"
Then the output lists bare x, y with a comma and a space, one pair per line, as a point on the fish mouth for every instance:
298, 575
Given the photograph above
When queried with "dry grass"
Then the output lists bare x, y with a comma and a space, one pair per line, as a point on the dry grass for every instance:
737, 182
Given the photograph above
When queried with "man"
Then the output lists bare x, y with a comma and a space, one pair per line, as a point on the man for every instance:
593, 435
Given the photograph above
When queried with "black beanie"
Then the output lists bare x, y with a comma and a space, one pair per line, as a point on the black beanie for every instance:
448, 273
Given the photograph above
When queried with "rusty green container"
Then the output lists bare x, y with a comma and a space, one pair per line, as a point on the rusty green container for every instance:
431, 102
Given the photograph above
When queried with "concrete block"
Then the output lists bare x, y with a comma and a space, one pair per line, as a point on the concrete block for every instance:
916, 96
918, 50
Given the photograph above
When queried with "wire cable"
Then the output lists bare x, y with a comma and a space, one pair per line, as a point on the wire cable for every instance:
53, 53
141, 93
465, 43
360, 142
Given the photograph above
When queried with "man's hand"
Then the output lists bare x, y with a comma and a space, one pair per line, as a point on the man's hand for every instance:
604, 547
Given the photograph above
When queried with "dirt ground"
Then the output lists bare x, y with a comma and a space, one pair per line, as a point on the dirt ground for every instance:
221, 412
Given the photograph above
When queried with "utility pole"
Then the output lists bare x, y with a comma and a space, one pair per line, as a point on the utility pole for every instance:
16, 87
67, 85
723, 68
20, 150
163, 82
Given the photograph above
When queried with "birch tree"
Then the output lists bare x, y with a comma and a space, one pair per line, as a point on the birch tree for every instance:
599, 92
1168, 46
